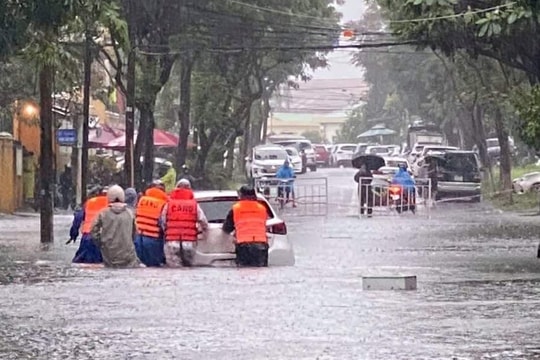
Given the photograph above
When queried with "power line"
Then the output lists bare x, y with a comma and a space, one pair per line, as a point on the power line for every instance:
444, 17
241, 49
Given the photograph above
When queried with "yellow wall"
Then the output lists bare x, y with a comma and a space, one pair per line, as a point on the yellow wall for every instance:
8, 199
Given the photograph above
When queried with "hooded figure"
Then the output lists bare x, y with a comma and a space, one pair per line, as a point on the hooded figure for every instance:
114, 231
131, 198
169, 178
403, 178
286, 172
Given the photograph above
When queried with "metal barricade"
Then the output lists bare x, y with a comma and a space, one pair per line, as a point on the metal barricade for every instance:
307, 197
382, 197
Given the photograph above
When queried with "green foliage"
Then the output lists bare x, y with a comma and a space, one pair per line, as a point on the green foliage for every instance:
314, 136
527, 104
353, 126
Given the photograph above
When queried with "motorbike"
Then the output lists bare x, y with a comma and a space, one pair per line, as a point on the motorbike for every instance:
402, 198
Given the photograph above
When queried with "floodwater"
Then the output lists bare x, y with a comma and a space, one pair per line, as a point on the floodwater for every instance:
478, 293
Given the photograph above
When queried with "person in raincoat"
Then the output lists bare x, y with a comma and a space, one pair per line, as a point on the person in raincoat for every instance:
88, 252
405, 180
149, 240
169, 179
286, 172
114, 230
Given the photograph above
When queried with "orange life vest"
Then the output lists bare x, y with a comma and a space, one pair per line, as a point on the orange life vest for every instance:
250, 222
92, 208
181, 216
148, 212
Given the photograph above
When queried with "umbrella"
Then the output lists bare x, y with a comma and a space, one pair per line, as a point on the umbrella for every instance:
101, 137
378, 130
373, 162
161, 138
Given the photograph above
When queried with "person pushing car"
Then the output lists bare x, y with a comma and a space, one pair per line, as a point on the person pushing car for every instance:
247, 219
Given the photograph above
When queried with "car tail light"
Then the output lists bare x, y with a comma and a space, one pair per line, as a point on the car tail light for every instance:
278, 229
394, 189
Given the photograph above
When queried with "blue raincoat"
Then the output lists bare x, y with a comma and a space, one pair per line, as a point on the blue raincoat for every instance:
403, 178
88, 252
286, 172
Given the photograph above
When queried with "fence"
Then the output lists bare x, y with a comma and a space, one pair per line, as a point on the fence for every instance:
307, 196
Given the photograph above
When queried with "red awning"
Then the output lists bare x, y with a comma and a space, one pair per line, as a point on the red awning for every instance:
162, 138
98, 138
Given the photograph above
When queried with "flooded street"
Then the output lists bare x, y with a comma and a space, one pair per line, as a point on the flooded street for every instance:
478, 293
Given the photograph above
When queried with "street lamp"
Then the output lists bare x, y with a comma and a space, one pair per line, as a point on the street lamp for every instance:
30, 110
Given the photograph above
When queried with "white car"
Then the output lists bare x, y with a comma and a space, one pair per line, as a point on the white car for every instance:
215, 246
527, 182
395, 162
342, 154
265, 161
295, 159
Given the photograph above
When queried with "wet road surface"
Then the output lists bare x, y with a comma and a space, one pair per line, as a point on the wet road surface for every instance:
478, 293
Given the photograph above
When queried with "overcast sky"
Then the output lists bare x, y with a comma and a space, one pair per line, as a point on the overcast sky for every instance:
340, 59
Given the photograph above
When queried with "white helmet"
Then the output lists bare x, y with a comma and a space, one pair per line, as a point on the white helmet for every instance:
116, 194
183, 184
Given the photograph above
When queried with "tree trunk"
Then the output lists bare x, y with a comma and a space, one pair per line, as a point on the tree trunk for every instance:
505, 159
265, 115
86, 113
185, 108
230, 158
46, 154
148, 165
140, 145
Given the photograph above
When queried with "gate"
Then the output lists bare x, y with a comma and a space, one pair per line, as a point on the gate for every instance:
310, 194
380, 197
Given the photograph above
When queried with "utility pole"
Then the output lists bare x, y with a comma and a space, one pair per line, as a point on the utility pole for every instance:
83, 170
46, 172
130, 101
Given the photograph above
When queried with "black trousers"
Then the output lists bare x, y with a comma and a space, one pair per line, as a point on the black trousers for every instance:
252, 255
366, 198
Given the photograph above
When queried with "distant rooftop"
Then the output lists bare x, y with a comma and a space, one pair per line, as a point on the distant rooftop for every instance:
321, 96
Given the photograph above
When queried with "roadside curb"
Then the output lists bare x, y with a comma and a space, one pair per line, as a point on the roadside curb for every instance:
18, 214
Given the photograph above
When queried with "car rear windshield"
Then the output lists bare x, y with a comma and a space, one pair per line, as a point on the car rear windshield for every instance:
216, 209
492, 142
267, 154
396, 163
292, 152
461, 162
348, 147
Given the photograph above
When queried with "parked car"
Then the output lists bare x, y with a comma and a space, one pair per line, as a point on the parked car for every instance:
265, 161
303, 146
295, 159
322, 155
459, 174
527, 182
361, 148
342, 154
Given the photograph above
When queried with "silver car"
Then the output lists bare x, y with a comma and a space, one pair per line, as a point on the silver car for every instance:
527, 182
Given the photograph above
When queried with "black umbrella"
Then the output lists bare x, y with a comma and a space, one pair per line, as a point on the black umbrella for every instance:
373, 162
